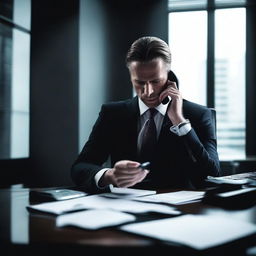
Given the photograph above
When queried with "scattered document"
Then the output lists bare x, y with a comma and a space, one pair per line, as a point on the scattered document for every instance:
128, 192
100, 202
194, 231
176, 198
224, 180
94, 219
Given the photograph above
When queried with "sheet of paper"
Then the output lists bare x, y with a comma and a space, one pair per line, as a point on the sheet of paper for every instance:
128, 192
196, 231
100, 202
94, 219
176, 198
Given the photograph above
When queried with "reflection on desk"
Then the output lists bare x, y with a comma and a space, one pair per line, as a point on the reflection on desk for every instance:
38, 233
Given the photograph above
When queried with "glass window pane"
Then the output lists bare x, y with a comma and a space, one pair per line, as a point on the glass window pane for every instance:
17, 11
5, 89
6, 8
230, 82
20, 71
21, 15
20, 95
188, 42
179, 5
229, 3
14, 92
19, 135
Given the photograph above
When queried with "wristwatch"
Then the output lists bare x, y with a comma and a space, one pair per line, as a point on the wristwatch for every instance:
182, 128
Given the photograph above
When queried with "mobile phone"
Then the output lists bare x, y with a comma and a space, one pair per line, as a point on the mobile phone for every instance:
171, 77
144, 165
166, 99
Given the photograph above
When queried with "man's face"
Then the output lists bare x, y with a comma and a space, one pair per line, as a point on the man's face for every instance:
149, 80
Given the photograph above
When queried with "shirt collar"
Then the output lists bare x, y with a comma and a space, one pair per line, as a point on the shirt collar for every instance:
160, 108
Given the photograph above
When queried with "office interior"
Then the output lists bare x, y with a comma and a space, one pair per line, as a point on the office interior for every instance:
76, 63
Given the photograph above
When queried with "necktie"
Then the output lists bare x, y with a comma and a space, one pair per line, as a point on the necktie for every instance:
149, 137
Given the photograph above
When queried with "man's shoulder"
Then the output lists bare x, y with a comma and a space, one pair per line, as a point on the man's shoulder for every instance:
119, 105
192, 108
114, 104
192, 104
119, 111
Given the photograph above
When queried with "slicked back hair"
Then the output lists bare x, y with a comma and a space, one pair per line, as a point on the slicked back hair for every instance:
148, 48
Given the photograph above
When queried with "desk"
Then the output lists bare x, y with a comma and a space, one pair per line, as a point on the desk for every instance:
37, 234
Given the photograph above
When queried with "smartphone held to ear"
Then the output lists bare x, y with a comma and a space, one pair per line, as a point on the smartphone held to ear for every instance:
171, 77
165, 100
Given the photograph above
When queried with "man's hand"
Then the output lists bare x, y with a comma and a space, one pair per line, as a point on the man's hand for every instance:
175, 109
125, 173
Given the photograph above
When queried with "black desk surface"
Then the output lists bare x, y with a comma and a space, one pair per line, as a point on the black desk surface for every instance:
36, 233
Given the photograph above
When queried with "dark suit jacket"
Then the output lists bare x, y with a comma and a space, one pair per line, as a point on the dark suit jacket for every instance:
179, 162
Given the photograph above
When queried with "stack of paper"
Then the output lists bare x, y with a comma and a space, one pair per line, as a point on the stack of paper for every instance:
176, 198
128, 192
94, 219
195, 231
100, 202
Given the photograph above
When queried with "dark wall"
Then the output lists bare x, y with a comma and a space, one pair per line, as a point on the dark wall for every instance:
93, 64
126, 22
54, 91
14, 171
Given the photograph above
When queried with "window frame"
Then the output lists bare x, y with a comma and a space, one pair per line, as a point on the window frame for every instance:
250, 62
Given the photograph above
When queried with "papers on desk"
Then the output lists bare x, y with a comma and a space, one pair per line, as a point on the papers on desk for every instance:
101, 202
195, 231
176, 198
94, 219
128, 192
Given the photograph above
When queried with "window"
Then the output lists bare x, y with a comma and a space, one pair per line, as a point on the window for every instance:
230, 81
189, 52
14, 78
207, 38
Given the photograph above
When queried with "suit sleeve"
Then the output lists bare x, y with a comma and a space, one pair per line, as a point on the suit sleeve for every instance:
201, 144
93, 155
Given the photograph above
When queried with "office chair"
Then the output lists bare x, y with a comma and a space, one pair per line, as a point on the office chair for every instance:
214, 121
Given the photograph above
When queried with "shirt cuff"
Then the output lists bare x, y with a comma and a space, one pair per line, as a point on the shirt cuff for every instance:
182, 128
98, 176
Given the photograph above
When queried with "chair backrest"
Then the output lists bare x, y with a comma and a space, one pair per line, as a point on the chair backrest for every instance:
213, 110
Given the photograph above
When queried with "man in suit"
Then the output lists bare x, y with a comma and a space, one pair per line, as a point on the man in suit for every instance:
185, 149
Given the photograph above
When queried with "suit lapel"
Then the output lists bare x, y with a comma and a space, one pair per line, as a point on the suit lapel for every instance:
165, 132
166, 122
132, 127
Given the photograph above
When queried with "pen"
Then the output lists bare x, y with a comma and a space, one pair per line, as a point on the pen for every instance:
144, 165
